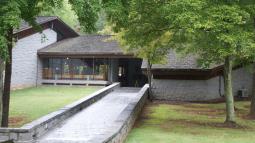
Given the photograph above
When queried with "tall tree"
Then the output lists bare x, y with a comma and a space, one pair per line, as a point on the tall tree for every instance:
13, 11
87, 12
252, 108
68, 15
7, 80
219, 32
10, 14
223, 33
65, 13
1, 86
138, 25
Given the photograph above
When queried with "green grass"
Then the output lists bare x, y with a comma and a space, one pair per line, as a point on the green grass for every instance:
29, 104
191, 123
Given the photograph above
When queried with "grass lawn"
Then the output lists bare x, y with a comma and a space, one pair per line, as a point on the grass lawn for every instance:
29, 104
191, 123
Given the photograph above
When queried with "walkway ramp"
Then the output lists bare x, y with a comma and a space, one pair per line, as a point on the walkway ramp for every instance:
95, 121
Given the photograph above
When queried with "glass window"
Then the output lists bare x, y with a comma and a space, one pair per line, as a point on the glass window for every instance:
100, 69
66, 68
75, 69
56, 68
88, 69
46, 69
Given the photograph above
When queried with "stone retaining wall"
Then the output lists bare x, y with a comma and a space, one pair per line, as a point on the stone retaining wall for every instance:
35, 129
127, 118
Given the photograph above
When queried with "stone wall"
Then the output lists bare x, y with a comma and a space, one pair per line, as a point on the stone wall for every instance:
25, 59
31, 131
199, 90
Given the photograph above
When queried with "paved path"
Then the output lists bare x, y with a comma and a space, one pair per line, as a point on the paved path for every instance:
93, 121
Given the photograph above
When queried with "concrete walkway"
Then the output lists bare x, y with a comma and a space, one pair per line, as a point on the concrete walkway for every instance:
93, 121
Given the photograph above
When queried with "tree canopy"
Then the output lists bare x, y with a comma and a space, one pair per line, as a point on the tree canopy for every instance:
67, 14
9, 14
216, 31
214, 28
140, 27
13, 11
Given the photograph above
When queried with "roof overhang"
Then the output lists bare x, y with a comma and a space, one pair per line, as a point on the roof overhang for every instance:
54, 23
189, 74
186, 74
77, 55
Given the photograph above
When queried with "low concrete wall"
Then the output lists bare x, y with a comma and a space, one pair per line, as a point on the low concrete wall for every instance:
35, 129
74, 82
126, 119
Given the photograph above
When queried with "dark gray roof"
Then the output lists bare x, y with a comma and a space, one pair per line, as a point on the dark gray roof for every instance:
40, 20
84, 45
175, 61
103, 45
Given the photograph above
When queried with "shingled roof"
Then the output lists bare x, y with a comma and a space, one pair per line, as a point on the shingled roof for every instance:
40, 20
88, 45
176, 62
186, 68
52, 22
103, 46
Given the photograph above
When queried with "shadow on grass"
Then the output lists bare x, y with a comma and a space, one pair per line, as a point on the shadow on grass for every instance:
192, 123
188, 115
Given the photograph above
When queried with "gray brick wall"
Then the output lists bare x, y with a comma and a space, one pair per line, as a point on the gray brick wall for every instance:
25, 59
199, 90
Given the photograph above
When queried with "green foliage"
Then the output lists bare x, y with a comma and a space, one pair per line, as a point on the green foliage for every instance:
87, 12
13, 11
141, 26
101, 22
9, 13
65, 13
29, 9
68, 15
213, 29
117, 12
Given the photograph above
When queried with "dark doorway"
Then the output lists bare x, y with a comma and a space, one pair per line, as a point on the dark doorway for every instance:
130, 73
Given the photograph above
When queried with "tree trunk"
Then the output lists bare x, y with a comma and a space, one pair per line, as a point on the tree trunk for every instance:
7, 81
252, 108
1, 86
149, 76
230, 111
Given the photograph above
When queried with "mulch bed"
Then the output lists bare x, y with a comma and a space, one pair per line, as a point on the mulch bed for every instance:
16, 120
